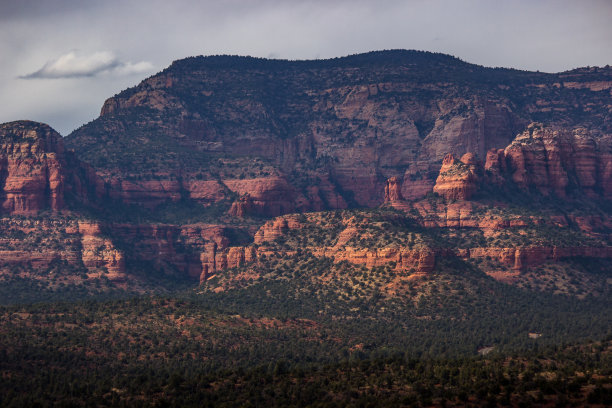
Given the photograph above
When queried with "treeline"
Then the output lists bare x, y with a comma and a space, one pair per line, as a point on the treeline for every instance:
569, 376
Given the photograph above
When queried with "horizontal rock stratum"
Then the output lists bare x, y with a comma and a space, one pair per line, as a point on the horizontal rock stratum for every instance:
202, 167
322, 134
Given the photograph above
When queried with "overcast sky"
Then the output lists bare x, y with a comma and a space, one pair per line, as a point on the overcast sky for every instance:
60, 59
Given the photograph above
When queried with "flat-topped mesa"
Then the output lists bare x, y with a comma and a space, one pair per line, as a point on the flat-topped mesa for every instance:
406, 260
458, 178
554, 161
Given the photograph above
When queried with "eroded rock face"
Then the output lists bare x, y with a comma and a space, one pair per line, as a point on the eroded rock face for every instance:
554, 161
273, 229
31, 162
214, 259
271, 196
546, 160
334, 130
122, 253
206, 191
418, 260
243, 206
525, 257
354, 121
407, 261
148, 193
455, 215
309, 140
421, 260
166, 188
36, 172
393, 190
457, 179
171, 249
98, 251
51, 243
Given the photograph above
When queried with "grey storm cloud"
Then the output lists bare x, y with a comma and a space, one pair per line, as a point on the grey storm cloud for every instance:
72, 65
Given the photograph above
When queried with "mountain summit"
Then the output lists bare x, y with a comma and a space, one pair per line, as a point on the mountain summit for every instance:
321, 134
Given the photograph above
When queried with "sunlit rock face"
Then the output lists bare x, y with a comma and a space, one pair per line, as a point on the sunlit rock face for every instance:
36, 172
334, 131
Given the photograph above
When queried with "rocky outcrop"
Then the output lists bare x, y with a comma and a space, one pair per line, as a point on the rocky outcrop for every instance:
354, 122
270, 196
275, 228
542, 159
264, 196
148, 193
31, 168
206, 191
555, 161
471, 214
457, 179
40, 247
170, 249
123, 253
272, 239
393, 190
417, 188
37, 260
495, 166
214, 259
98, 251
243, 206
349, 123
36, 173
525, 257
166, 188
281, 137
406, 260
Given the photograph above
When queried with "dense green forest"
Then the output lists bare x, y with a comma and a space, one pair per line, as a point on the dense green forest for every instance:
168, 352
455, 338
295, 329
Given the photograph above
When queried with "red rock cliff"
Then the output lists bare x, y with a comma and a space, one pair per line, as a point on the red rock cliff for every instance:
98, 251
555, 161
393, 190
36, 172
457, 179
31, 168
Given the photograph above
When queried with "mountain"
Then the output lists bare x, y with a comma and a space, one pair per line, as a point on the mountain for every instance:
361, 230
289, 136
187, 167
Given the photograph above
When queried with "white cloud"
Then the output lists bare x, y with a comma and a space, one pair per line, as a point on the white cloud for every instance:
129, 68
73, 65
